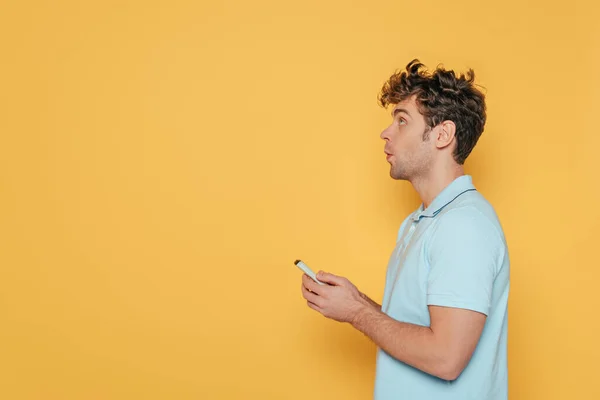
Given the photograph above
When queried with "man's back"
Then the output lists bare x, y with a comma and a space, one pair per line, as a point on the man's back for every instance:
453, 254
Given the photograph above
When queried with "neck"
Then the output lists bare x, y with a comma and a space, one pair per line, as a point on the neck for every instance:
430, 185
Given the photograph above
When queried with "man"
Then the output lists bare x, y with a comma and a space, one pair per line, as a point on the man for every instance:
441, 331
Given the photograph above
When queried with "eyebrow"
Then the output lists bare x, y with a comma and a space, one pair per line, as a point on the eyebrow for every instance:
399, 110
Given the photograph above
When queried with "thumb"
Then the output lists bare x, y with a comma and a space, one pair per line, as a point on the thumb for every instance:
332, 279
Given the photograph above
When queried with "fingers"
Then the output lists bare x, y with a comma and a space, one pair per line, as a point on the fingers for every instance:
311, 297
314, 306
312, 285
331, 279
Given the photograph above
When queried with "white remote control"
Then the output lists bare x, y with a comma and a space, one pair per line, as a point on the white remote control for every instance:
308, 271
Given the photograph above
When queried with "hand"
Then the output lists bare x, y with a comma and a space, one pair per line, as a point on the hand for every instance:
339, 299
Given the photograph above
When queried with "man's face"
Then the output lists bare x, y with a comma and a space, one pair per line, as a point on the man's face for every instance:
408, 154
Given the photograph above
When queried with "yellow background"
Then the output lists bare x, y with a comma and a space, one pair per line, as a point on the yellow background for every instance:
162, 164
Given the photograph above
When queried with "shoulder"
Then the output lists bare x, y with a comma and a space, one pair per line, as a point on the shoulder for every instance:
467, 237
470, 220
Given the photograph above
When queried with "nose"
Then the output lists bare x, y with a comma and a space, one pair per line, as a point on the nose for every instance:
385, 134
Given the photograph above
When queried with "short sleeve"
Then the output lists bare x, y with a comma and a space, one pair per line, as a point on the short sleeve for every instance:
465, 255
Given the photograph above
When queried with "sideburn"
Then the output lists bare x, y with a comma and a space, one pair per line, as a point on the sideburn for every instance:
426, 133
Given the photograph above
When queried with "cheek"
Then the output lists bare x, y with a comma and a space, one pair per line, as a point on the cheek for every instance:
400, 142
425, 151
406, 146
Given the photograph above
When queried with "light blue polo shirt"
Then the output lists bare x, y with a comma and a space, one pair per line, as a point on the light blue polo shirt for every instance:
451, 254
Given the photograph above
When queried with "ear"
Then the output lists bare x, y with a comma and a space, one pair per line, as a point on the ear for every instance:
445, 134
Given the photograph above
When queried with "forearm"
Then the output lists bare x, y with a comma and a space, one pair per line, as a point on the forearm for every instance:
371, 301
414, 345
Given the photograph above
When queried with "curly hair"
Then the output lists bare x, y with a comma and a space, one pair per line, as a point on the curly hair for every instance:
441, 96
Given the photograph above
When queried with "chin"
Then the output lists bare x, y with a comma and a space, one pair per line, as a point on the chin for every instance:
397, 175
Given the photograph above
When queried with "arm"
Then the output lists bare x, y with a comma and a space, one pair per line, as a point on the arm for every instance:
373, 303
443, 349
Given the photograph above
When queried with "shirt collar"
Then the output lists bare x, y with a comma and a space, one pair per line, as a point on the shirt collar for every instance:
459, 186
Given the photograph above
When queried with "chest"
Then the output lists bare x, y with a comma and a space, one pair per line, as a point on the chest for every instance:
405, 295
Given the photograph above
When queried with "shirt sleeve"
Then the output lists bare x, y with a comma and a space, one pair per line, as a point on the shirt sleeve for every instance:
465, 256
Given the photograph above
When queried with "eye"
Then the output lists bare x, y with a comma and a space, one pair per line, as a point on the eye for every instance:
401, 121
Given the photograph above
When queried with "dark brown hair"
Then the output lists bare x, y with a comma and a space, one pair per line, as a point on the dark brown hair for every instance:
441, 96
